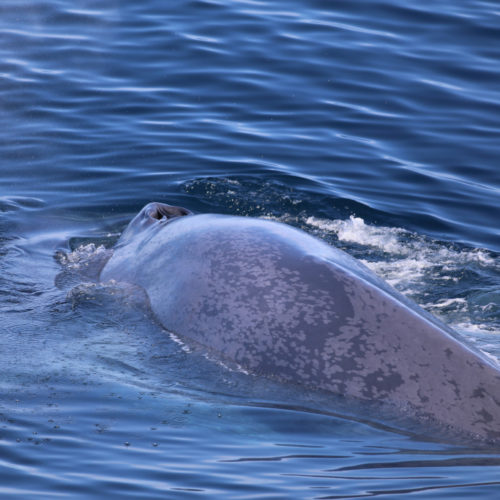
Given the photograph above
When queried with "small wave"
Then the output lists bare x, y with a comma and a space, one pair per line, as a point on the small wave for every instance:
79, 258
86, 260
14, 203
245, 195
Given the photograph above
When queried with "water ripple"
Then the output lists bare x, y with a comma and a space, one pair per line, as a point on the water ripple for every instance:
374, 125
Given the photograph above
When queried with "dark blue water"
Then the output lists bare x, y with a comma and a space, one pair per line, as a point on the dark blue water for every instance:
374, 125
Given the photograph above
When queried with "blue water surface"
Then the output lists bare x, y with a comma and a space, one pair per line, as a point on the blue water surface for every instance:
374, 125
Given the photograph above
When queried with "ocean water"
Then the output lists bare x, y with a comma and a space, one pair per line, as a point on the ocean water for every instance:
374, 125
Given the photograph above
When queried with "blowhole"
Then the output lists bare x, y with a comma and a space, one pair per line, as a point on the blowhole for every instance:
161, 211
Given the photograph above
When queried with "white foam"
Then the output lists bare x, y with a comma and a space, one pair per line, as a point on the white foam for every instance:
445, 303
476, 329
80, 257
491, 356
408, 254
179, 341
355, 230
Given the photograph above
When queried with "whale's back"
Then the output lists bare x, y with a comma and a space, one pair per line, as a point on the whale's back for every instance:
283, 304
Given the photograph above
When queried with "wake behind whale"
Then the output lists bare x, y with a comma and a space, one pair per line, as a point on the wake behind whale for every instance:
283, 304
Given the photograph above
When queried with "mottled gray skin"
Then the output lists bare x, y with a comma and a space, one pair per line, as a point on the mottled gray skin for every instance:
284, 304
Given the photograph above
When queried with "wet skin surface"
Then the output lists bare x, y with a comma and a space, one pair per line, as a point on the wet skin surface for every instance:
283, 304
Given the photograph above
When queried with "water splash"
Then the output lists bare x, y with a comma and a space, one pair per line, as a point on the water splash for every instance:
85, 261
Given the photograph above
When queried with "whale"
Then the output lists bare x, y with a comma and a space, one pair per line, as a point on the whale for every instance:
281, 303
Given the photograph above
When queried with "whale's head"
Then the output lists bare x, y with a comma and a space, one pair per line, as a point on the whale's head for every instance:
153, 216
